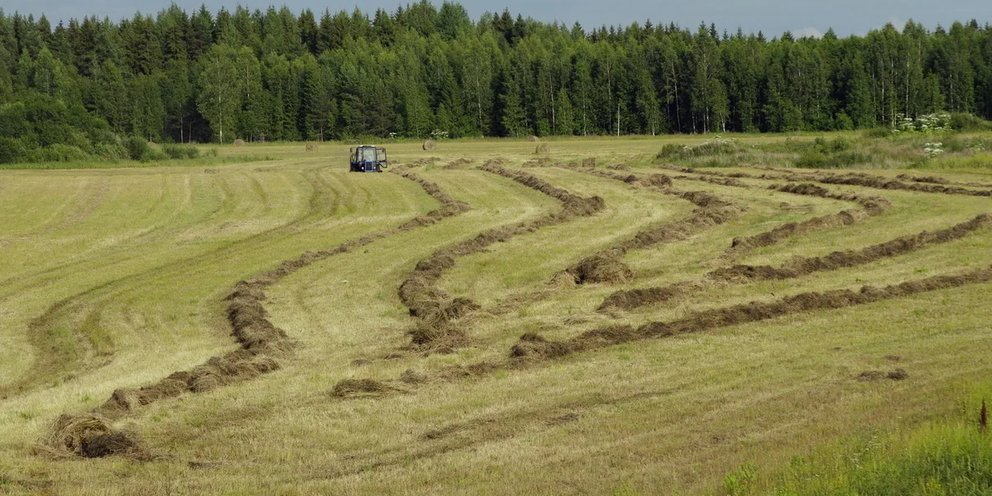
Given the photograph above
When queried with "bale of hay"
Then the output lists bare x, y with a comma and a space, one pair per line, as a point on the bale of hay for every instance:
429, 145
542, 149
70, 431
89, 436
601, 269
311, 147
239, 142
533, 139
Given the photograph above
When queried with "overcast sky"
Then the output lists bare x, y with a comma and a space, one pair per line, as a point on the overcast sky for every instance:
770, 16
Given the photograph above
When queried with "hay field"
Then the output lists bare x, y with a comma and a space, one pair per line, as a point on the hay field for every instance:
480, 320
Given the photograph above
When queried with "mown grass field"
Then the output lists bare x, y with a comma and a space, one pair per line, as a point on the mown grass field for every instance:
113, 279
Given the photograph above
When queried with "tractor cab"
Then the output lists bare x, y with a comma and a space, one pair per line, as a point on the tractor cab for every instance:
368, 158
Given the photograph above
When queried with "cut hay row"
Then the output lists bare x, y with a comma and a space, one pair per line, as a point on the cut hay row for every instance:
606, 266
940, 180
261, 343
798, 267
870, 207
849, 179
535, 347
432, 307
903, 177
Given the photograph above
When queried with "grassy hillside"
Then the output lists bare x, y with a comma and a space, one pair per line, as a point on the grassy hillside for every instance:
594, 320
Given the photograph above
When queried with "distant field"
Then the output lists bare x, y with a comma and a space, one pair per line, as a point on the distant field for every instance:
488, 320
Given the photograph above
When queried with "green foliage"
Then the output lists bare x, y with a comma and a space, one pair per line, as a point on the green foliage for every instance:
39, 127
181, 151
708, 149
257, 76
740, 481
969, 122
56, 152
137, 148
950, 459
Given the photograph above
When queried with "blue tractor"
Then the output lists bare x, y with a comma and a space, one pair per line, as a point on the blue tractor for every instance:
368, 158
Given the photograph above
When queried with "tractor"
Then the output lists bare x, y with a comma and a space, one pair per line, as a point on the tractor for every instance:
368, 158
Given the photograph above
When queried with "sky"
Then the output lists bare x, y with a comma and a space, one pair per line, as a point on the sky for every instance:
773, 17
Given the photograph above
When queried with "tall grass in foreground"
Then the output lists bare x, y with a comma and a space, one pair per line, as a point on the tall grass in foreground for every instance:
943, 458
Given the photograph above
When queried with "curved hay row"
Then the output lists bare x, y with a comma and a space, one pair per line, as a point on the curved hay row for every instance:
54, 358
798, 267
870, 206
850, 179
261, 345
435, 309
532, 346
606, 266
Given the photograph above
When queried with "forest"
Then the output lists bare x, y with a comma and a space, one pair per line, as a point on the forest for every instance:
76, 88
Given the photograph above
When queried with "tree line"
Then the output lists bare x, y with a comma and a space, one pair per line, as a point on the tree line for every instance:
274, 75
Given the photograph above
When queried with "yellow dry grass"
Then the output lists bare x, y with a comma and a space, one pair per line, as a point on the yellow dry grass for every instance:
115, 278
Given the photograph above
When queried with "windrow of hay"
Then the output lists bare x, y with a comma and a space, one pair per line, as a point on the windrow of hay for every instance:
535, 347
262, 344
941, 180
798, 267
849, 179
867, 180
606, 266
458, 163
435, 310
851, 258
870, 206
